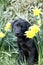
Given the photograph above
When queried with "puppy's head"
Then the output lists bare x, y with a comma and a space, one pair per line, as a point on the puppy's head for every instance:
20, 26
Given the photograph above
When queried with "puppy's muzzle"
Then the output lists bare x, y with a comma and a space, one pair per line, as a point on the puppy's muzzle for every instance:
18, 34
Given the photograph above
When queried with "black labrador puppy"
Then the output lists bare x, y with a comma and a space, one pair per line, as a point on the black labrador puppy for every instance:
27, 46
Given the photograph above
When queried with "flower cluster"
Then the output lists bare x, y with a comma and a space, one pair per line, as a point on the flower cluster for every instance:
6, 28
33, 30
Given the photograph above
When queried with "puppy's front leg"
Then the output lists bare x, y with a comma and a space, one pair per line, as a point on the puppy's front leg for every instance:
21, 57
31, 57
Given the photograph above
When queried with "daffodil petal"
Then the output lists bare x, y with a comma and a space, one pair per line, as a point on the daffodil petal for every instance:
7, 27
36, 12
2, 35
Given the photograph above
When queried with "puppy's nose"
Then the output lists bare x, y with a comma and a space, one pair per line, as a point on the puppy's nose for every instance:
17, 34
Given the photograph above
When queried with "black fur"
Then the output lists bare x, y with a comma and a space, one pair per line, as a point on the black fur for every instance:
27, 47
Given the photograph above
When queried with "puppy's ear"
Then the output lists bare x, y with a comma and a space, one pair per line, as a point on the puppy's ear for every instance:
12, 23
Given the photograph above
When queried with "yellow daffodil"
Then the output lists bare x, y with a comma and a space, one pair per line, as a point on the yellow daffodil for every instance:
2, 35
32, 31
36, 12
35, 28
7, 27
39, 22
29, 34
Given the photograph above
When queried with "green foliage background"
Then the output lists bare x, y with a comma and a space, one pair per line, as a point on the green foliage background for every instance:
9, 11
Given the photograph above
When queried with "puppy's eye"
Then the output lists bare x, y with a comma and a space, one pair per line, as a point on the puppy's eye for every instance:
21, 26
18, 25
